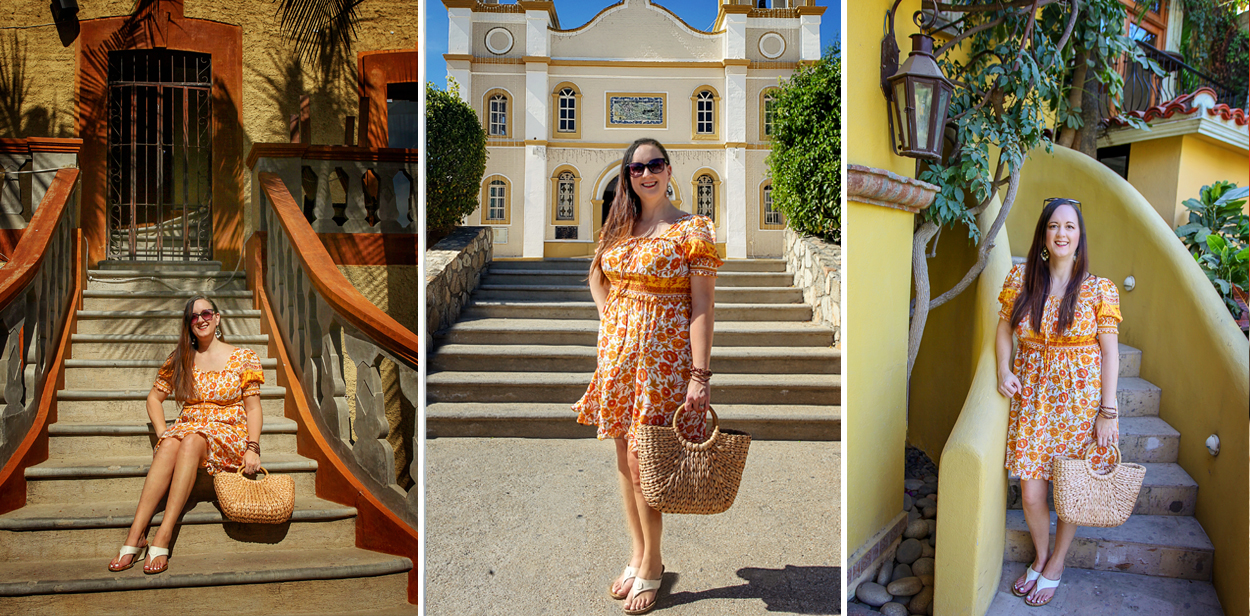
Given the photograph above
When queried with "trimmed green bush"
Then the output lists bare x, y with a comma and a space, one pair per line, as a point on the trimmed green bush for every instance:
455, 159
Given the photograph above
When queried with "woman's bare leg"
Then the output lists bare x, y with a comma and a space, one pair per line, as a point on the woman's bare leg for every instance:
191, 454
652, 523
1064, 533
154, 488
621, 585
1037, 515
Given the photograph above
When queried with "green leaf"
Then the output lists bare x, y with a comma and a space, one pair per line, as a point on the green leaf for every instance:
1215, 242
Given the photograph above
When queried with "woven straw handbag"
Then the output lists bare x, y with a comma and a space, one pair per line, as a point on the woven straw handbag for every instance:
265, 500
1085, 498
683, 477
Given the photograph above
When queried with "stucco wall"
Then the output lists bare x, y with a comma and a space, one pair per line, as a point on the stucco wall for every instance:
1168, 171
618, 32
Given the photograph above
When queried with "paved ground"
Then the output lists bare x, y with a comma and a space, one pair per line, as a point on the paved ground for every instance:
1110, 594
534, 526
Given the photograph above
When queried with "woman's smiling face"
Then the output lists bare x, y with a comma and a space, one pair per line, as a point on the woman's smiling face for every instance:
650, 186
1063, 232
200, 326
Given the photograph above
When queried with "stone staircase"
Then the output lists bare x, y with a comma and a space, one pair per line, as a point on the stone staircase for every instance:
54, 551
1161, 538
523, 351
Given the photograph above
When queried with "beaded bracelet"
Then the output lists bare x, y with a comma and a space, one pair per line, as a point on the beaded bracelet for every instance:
253, 446
701, 375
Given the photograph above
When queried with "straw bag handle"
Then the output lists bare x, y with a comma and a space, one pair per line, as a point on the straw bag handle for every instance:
262, 469
710, 439
1089, 468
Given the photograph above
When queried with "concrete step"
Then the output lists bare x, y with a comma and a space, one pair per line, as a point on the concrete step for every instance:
480, 309
547, 277
150, 281
1166, 490
776, 389
1130, 361
1148, 439
573, 358
129, 373
114, 300
581, 293
159, 266
557, 420
273, 582
583, 265
1108, 593
585, 332
74, 480
233, 322
1156, 545
110, 440
97, 529
147, 346
1137, 397
130, 409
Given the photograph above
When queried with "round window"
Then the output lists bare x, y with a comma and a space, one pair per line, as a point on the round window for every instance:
772, 45
499, 41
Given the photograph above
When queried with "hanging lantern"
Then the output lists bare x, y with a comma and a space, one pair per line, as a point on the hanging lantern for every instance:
919, 99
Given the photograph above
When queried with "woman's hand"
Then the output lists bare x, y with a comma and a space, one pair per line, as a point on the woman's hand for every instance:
1008, 384
251, 462
698, 397
1107, 431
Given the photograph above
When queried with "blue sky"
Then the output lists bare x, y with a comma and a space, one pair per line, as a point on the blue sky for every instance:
698, 13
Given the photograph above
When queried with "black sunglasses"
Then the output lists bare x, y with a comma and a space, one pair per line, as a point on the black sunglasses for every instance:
656, 165
206, 315
1062, 200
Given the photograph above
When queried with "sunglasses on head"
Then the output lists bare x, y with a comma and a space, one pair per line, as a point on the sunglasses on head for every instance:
206, 315
1061, 200
656, 165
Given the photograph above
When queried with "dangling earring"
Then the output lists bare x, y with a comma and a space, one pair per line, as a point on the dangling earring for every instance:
219, 332
1045, 254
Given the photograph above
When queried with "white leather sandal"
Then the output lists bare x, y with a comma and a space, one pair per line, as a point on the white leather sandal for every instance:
641, 586
1029, 576
1044, 583
153, 552
628, 574
130, 550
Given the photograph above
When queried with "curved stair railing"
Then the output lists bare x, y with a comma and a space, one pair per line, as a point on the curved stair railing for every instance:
39, 289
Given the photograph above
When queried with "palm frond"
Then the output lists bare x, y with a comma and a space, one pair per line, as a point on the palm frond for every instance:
319, 28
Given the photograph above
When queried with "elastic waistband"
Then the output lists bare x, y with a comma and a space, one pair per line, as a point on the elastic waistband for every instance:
1060, 345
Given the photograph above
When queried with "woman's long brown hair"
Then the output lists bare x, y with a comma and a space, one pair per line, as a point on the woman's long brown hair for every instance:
1036, 286
626, 206
184, 354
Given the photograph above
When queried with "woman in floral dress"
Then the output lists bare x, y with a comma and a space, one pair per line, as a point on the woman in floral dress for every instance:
652, 279
218, 428
1063, 382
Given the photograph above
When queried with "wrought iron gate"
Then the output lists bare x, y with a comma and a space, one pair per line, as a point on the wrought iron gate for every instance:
160, 156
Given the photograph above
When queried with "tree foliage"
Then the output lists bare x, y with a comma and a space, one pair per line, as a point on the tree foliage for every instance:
1217, 235
455, 158
805, 162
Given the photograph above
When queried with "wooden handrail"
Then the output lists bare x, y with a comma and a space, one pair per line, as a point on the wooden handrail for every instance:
334, 288
33, 248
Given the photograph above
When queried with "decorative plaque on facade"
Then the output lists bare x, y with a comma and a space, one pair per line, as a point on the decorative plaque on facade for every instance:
636, 110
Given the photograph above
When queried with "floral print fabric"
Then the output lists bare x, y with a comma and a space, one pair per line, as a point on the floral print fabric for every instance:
1060, 377
644, 354
217, 412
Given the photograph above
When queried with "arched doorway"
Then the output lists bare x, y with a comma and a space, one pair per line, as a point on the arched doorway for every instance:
609, 195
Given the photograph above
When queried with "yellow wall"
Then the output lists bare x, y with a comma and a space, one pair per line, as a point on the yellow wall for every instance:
878, 249
1153, 166
1170, 170
1191, 348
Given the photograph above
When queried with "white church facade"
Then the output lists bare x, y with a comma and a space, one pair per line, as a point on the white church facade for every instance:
560, 107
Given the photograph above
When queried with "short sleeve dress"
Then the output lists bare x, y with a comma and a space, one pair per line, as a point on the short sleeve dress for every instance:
216, 411
1060, 377
644, 354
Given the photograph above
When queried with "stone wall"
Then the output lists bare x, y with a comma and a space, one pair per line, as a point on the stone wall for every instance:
817, 268
453, 268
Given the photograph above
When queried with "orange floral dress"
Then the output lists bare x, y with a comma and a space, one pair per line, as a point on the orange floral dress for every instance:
1060, 377
216, 412
644, 354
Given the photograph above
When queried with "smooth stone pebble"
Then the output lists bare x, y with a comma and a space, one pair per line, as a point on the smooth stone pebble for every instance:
859, 609
929, 512
917, 529
912, 484
908, 551
926, 490
907, 586
913, 514
930, 478
925, 502
908, 502
932, 527
901, 571
932, 497
927, 580
924, 566
922, 603
884, 576
873, 594
895, 609
927, 551
933, 540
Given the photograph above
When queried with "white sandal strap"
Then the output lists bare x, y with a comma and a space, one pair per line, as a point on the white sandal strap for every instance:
641, 585
128, 550
629, 572
154, 551
1044, 582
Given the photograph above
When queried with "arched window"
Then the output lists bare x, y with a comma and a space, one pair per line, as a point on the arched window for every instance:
705, 197
770, 217
566, 102
704, 122
498, 114
705, 111
496, 199
566, 198
568, 111
768, 113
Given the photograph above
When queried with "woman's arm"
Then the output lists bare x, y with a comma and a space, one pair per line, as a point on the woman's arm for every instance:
1108, 430
156, 412
599, 287
251, 459
702, 318
1008, 383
